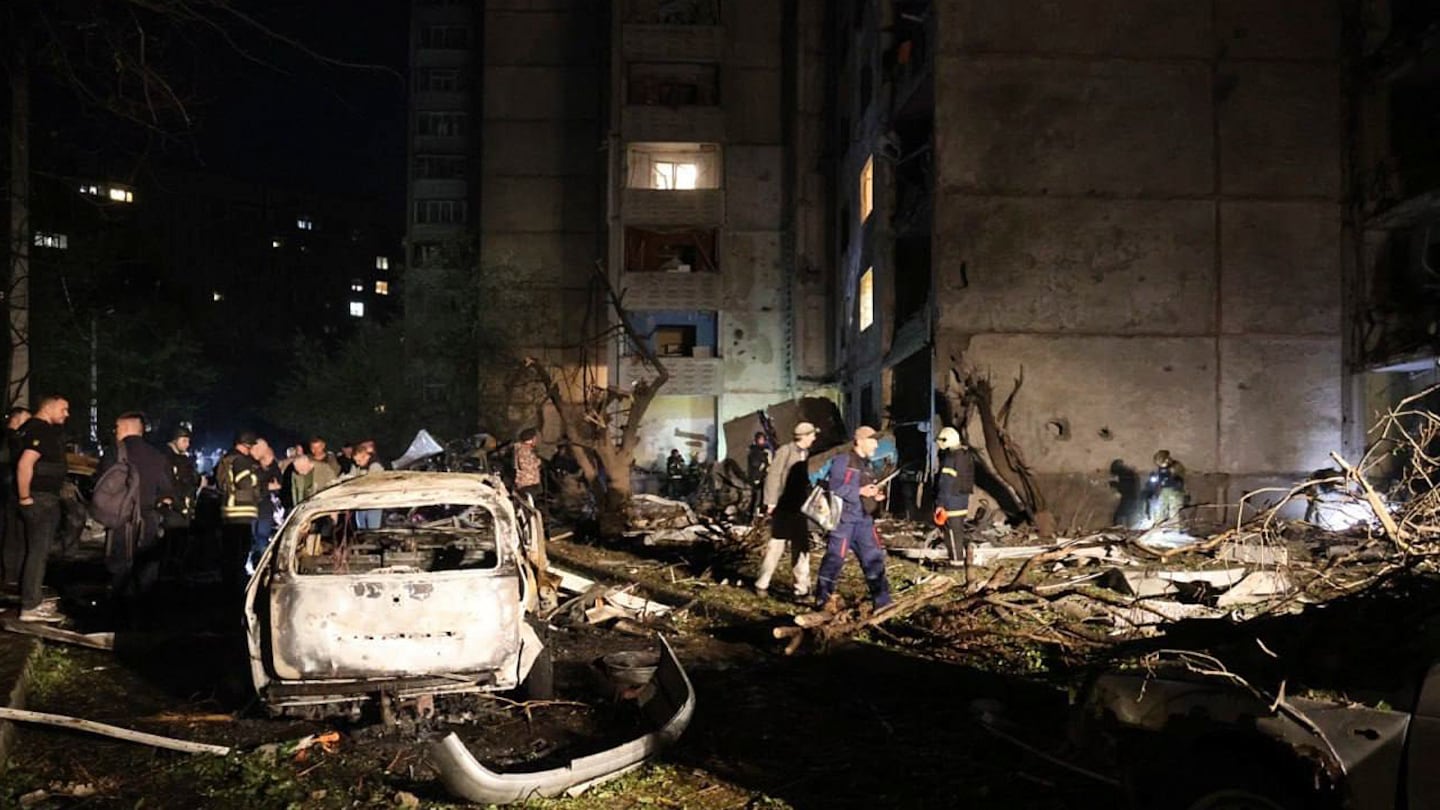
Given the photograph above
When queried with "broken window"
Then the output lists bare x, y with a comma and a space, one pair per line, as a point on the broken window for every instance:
673, 84
673, 166
676, 333
404, 540
670, 250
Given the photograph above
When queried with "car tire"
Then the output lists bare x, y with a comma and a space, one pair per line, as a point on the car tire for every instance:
540, 683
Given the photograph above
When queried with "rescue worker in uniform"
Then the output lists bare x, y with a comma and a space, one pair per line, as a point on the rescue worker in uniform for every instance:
238, 477
1165, 489
852, 479
952, 496
757, 464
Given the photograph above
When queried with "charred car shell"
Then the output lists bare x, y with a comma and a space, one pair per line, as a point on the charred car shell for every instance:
397, 583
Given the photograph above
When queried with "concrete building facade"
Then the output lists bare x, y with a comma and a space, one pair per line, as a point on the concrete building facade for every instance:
657, 143
1137, 205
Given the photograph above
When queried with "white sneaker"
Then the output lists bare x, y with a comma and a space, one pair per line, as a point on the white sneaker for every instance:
47, 611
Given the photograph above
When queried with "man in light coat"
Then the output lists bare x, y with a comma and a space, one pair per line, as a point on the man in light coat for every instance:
786, 485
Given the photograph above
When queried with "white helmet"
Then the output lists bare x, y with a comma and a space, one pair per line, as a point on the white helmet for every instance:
949, 439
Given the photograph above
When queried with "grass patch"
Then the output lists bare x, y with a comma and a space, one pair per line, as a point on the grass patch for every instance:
50, 669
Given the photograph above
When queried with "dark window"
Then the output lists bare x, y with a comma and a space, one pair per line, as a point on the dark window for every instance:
670, 250
439, 167
441, 124
673, 84
439, 80
440, 212
444, 36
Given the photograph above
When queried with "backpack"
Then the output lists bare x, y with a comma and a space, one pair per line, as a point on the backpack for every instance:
115, 502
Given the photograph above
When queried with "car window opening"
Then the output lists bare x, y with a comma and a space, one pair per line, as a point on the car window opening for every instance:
404, 540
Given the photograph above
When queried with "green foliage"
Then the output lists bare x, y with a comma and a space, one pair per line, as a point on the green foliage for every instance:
50, 668
357, 390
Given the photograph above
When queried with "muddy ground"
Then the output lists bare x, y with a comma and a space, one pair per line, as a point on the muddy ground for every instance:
867, 724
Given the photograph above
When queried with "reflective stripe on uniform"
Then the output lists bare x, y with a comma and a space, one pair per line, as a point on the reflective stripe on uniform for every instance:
957, 512
949, 471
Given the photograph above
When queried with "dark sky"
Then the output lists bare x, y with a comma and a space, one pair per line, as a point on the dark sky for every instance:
291, 119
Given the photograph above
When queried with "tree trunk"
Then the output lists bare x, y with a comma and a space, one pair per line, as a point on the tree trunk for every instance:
18, 300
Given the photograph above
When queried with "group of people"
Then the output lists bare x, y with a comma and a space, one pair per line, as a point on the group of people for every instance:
786, 486
151, 506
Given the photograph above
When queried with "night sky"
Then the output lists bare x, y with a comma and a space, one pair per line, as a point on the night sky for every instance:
287, 119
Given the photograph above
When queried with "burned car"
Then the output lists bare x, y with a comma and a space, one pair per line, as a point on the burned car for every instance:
398, 585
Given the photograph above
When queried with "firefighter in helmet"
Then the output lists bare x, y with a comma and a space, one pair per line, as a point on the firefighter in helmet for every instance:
952, 495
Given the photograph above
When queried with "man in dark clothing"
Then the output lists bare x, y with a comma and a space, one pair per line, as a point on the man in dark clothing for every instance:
181, 538
851, 478
757, 462
132, 553
14, 534
39, 475
952, 495
786, 485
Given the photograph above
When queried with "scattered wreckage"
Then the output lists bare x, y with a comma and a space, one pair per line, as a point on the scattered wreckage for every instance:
399, 587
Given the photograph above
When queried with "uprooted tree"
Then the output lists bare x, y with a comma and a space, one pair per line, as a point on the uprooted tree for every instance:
602, 422
969, 393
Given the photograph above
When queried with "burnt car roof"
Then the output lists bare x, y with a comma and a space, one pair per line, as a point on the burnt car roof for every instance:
379, 489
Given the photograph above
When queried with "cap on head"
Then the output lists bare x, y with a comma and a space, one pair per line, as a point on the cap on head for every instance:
180, 432
949, 439
865, 432
805, 429
246, 437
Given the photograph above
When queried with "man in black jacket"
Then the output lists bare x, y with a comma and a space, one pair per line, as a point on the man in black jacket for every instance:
133, 552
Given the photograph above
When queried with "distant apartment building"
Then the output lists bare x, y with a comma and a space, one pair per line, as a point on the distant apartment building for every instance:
651, 144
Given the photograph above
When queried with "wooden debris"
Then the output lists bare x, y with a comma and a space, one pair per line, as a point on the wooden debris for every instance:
95, 641
822, 627
116, 732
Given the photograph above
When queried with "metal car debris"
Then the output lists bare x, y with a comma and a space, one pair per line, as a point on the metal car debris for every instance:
396, 584
667, 702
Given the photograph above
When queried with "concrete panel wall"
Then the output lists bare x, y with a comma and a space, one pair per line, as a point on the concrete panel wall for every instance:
1280, 129
753, 176
751, 272
751, 346
548, 148
1120, 28
756, 115
1279, 404
1087, 127
1139, 205
537, 205
1281, 268
1041, 265
1113, 397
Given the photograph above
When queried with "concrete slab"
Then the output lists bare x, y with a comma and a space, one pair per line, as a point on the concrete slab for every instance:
753, 192
1115, 127
751, 269
1279, 129
1129, 28
1280, 408
1281, 267
1108, 266
1092, 388
752, 106
1277, 29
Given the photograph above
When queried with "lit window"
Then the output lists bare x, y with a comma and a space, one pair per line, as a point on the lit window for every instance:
217, 296
356, 285
92, 190
357, 309
867, 298
671, 176
124, 195
867, 188
382, 288
275, 243
382, 262
304, 224
59, 241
